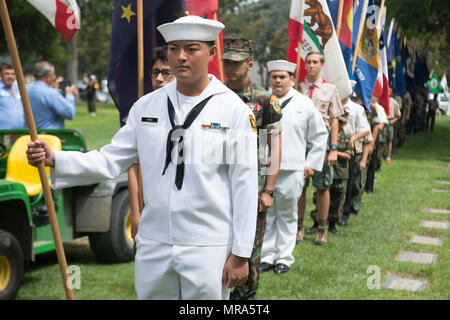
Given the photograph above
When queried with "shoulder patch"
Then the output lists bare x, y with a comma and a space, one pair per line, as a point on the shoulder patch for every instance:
252, 122
275, 103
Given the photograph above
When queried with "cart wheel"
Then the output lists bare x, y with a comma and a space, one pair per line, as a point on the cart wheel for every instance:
11, 265
116, 245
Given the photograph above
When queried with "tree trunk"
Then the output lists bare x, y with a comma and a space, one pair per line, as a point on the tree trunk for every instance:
72, 64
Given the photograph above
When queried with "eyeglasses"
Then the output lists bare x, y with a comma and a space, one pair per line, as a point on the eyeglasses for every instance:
167, 74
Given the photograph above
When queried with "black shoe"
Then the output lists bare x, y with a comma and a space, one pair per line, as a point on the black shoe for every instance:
313, 229
280, 268
353, 214
264, 266
344, 220
332, 228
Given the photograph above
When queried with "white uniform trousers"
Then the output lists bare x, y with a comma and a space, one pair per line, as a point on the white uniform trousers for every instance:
171, 272
281, 225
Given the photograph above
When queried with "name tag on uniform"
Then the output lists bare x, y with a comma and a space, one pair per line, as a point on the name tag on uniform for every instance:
148, 119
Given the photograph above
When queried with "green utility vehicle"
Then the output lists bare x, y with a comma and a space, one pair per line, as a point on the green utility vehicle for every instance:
100, 211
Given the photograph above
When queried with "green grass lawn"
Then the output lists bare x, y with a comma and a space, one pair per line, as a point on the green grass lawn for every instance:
97, 130
384, 227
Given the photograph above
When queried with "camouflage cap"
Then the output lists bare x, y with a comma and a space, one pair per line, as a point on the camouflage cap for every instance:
238, 49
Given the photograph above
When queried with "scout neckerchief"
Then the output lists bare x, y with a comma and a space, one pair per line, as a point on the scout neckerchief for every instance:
284, 104
313, 86
193, 114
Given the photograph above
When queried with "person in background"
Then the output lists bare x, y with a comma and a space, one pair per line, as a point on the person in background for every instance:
92, 87
237, 62
326, 99
393, 116
345, 151
50, 107
11, 111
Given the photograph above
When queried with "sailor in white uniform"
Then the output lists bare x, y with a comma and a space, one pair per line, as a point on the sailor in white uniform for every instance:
302, 123
196, 142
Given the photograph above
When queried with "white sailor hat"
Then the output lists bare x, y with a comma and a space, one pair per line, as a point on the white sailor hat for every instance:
281, 65
353, 83
191, 28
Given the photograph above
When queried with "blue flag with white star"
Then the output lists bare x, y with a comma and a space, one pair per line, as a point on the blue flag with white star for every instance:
122, 65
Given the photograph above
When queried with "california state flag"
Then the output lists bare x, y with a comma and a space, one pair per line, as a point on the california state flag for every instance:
319, 36
295, 29
64, 15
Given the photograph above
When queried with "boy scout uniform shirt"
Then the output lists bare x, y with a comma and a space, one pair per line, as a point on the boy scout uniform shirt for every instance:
394, 109
341, 166
217, 204
265, 107
357, 123
325, 97
302, 124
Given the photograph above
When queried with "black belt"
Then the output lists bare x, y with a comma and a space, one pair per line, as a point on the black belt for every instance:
193, 114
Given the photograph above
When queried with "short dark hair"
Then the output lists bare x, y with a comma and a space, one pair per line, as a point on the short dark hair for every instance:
159, 53
6, 66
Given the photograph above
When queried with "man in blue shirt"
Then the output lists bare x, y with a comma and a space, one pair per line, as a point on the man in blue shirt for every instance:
49, 106
11, 110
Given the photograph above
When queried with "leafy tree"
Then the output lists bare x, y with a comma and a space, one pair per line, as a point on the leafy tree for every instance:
36, 38
427, 29
265, 23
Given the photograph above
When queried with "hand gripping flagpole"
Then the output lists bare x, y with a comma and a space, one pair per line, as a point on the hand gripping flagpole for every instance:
34, 136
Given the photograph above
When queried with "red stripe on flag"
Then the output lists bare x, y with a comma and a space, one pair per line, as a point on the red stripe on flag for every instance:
65, 21
345, 35
295, 30
384, 99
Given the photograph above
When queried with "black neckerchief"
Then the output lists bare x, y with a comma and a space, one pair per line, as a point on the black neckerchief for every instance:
284, 104
193, 114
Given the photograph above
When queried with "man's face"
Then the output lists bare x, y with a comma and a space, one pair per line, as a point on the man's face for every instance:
313, 65
8, 77
236, 70
189, 60
280, 82
161, 74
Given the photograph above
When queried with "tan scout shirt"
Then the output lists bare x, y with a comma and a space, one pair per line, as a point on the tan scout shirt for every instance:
326, 99
394, 109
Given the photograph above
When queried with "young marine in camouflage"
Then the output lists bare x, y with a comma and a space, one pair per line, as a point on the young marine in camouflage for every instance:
267, 111
339, 186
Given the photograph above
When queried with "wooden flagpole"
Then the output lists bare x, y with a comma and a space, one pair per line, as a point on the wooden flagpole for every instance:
34, 136
380, 15
140, 49
361, 28
297, 71
339, 20
219, 52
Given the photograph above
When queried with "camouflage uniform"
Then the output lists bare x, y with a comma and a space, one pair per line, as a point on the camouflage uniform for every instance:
374, 120
267, 111
339, 186
398, 125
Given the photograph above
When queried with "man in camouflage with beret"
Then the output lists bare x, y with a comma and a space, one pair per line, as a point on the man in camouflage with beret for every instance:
237, 62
